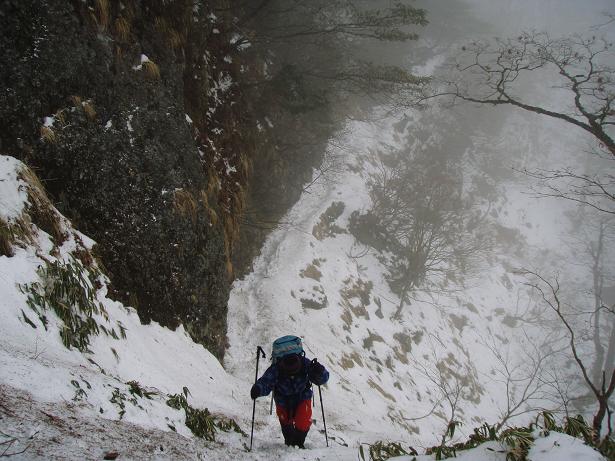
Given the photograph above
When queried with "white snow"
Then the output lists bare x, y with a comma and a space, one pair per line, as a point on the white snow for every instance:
34, 360
12, 191
554, 447
142, 59
57, 403
560, 447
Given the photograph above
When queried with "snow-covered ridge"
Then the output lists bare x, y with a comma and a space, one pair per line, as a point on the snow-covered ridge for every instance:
127, 370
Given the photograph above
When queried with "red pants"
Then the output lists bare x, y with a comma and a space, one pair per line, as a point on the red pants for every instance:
301, 419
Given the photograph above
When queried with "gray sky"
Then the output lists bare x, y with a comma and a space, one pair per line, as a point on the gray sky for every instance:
555, 16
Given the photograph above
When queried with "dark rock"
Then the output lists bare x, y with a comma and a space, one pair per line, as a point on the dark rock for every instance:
122, 153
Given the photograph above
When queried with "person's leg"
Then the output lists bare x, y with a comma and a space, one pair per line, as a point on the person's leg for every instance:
303, 421
288, 431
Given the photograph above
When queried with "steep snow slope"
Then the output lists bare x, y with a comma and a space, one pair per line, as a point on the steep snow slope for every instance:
96, 383
388, 375
314, 282
59, 403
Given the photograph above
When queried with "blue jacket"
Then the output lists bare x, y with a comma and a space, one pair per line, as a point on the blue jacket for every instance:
289, 391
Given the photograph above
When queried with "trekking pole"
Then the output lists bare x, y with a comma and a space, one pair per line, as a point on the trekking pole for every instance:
271, 404
324, 422
259, 351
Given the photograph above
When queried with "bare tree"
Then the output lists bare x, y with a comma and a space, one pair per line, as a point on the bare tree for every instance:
596, 248
521, 375
559, 388
592, 241
492, 74
549, 292
335, 19
449, 386
341, 46
418, 221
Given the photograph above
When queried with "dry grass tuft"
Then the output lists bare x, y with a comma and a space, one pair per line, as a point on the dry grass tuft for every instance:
185, 204
245, 165
48, 135
40, 209
18, 232
176, 40
239, 201
122, 29
161, 25
102, 14
60, 117
6, 239
89, 110
231, 230
22, 230
230, 227
229, 268
151, 69
87, 106
76, 100
213, 182
213, 216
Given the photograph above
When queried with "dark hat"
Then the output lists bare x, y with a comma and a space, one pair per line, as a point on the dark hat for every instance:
290, 364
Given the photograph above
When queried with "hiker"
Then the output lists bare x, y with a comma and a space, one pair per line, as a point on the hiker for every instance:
291, 376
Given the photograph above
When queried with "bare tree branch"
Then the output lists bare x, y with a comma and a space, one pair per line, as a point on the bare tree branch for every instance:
491, 73
596, 191
549, 292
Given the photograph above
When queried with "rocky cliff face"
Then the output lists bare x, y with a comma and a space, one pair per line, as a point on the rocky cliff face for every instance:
134, 116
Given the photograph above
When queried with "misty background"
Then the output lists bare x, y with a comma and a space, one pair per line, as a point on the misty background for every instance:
450, 215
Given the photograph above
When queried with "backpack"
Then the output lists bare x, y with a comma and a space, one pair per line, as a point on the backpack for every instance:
286, 345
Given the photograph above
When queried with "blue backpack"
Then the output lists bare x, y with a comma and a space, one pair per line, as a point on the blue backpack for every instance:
286, 345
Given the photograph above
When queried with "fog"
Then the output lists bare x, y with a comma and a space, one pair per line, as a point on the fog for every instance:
506, 17
434, 243
537, 226
512, 139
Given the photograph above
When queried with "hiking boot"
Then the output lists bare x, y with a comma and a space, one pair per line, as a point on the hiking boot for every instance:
289, 433
300, 438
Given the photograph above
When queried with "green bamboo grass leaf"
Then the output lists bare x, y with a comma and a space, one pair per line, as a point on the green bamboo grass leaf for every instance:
27, 320
68, 291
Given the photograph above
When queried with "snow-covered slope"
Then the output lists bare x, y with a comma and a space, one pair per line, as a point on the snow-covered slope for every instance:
61, 403
96, 383
389, 376
314, 280
393, 378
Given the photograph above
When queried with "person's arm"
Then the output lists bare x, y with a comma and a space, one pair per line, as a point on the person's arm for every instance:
317, 373
265, 384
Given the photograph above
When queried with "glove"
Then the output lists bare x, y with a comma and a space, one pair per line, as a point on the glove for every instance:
316, 370
255, 392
